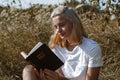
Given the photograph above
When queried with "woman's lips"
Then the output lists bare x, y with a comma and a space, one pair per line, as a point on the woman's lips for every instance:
61, 34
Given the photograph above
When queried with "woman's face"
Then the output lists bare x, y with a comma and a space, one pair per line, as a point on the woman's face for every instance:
63, 26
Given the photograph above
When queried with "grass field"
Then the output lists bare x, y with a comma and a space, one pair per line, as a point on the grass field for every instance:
20, 30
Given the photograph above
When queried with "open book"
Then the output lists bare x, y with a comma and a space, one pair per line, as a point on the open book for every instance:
42, 57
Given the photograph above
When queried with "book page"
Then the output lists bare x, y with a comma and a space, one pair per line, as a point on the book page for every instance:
35, 47
24, 55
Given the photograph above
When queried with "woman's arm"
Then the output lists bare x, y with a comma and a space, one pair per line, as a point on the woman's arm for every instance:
92, 73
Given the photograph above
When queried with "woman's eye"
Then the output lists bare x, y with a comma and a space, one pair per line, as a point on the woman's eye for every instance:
61, 25
55, 27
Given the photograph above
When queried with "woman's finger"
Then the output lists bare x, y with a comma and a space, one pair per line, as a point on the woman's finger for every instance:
51, 75
42, 76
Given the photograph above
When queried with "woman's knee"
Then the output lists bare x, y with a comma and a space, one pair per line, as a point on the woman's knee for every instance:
29, 73
28, 68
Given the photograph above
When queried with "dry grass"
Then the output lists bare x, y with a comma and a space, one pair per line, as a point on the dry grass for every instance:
20, 30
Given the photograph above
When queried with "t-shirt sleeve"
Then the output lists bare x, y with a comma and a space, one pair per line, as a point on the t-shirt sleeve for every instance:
95, 57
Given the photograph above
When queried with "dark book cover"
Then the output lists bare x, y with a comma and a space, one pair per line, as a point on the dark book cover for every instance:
41, 57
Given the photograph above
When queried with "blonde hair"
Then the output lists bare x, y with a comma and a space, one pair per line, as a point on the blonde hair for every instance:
77, 31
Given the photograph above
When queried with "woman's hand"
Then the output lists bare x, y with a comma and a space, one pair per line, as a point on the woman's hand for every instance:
49, 75
42, 75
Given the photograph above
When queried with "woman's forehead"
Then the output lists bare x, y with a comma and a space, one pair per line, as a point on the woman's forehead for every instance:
59, 17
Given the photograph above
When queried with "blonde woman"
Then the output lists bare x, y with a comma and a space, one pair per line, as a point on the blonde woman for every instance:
81, 56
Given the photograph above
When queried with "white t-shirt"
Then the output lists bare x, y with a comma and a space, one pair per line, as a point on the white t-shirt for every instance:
76, 62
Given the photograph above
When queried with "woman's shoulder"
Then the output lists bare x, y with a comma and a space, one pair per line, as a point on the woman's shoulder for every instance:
91, 47
89, 43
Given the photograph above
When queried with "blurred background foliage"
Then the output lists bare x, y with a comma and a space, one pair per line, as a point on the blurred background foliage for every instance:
21, 29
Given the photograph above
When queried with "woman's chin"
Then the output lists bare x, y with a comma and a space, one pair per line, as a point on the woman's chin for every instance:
62, 37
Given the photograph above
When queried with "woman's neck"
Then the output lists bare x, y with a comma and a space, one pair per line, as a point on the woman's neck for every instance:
71, 45
72, 42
